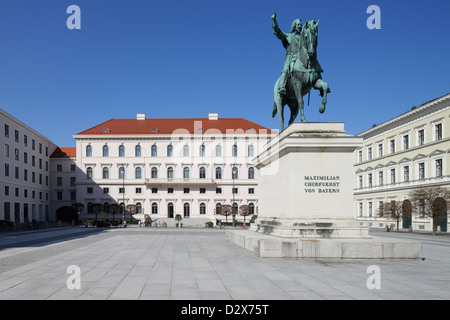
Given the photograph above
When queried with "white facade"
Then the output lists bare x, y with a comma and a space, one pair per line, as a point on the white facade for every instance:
168, 174
407, 152
25, 172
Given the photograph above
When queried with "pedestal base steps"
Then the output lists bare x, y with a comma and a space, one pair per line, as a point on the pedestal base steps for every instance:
310, 228
269, 246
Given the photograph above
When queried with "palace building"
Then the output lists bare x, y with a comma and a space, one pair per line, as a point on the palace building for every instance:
400, 155
170, 166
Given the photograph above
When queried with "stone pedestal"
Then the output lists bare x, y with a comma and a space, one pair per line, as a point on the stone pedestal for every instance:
305, 199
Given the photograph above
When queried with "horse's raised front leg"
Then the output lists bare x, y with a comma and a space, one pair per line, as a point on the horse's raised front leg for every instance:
324, 90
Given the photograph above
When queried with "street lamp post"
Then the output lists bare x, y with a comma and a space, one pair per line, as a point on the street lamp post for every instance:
234, 170
122, 170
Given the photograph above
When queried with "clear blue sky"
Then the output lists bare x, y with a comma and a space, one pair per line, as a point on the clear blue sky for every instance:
185, 58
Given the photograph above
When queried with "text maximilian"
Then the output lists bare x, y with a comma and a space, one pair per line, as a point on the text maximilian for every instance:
326, 178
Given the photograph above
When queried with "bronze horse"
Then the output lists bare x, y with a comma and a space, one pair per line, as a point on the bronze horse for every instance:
305, 75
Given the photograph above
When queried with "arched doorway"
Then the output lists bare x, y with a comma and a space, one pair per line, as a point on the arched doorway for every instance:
406, 214
440, 213
66, 214
187, 210
170, 210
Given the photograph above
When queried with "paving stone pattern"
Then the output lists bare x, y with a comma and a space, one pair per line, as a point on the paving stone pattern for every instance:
199, 264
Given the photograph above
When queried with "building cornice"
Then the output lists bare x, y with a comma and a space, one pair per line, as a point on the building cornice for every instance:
413, 112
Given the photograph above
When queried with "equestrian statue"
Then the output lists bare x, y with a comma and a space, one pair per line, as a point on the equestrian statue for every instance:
301, 70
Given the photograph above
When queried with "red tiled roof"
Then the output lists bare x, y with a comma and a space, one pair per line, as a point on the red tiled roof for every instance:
176, 126
64, 152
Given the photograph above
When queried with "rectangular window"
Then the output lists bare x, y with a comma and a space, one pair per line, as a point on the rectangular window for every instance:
154, 190
405, 142
73, 181
439, 168
360, 156
138, 190
25, 140
380, 150
121, 190
90, 190
59, 167
73, 195
392, 175
370, 209
369, 153
169, 190
218, 190
380, 178
59, 181
360, 209
439, 132
392, 145
370, 179
16, 135
6, 151
251, 190
360, 182
421, 137
33, 144
421, 171
202, 190
186, 190
6, 131
406, 173
73, 167
235, 190
59, 195
106, 190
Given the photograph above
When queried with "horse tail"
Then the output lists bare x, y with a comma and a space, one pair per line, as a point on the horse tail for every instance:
275, 110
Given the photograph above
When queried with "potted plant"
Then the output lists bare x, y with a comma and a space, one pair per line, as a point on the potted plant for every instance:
178, 220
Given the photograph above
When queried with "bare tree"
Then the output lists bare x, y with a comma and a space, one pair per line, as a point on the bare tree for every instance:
114, 208
431, 202
391, 209
131, 209
226, 210
244, 210
97, 207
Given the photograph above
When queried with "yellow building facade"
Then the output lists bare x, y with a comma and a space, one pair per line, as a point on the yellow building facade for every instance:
400, 155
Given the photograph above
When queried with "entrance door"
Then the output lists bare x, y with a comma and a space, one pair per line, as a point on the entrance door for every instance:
440, 215
406, 213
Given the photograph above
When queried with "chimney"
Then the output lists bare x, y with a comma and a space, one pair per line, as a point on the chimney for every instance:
140, 116
213, 116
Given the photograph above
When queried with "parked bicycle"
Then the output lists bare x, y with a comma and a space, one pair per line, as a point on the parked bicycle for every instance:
161, 224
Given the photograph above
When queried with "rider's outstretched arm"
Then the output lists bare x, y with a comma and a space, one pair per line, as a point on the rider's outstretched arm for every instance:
276, 29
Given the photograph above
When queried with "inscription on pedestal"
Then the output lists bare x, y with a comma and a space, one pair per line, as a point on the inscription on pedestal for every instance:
322, 184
